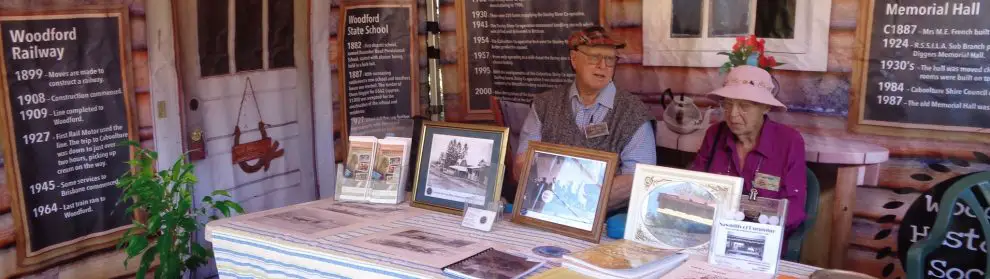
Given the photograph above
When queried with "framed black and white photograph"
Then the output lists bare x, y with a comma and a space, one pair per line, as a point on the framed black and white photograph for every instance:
565, 189
459, 164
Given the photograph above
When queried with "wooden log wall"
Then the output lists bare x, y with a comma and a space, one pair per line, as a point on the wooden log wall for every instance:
107, 263
818, 104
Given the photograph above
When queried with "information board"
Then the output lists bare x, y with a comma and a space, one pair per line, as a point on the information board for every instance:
923, 66
514, 49
378, 76
66, 111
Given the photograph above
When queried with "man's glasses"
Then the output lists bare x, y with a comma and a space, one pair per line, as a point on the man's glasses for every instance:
595, 59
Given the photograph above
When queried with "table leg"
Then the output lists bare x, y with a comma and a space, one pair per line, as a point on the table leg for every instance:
846, 181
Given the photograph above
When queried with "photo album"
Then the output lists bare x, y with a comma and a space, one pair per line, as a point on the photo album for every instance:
493, 264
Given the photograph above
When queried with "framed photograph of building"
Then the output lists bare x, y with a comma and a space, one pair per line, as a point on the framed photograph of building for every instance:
677, 209
459, 163
565, 189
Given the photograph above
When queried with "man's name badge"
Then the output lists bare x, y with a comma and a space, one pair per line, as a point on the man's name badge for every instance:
767, 182
479, 219
596, 130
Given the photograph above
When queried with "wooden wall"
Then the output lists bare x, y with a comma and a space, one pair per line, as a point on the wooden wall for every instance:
101, 264
818, 103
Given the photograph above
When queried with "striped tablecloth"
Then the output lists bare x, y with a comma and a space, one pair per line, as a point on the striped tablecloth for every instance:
245, 250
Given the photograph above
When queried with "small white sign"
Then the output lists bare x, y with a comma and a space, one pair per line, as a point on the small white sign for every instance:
479, 219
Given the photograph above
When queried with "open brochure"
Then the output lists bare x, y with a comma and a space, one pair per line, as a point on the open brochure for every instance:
624, 259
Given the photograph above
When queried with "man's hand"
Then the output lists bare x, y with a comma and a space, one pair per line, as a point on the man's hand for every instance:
621, 189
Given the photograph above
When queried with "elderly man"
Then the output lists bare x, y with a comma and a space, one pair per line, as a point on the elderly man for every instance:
592, 113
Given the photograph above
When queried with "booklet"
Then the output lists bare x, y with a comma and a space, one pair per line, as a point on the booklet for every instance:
699, 269
389, 177
493, 263
624, 259
357, 169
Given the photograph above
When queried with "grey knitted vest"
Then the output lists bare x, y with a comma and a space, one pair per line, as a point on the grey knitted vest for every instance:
553, 107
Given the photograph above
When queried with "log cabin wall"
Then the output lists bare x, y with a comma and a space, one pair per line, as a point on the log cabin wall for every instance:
818, 102
108, 263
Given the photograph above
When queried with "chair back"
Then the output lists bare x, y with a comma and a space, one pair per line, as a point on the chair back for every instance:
796, 240
511, 115
966, 191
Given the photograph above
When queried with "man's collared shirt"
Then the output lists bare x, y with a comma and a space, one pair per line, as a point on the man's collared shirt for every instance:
640, 149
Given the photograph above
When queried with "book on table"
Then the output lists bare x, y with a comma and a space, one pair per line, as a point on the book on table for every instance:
492, 264
624, 259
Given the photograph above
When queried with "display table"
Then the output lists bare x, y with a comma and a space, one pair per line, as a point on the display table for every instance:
243, 249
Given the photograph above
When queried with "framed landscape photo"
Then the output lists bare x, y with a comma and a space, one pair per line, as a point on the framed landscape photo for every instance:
676, 209
565, 189
459, 163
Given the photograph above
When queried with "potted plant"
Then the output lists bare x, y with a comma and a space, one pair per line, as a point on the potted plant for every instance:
166, 199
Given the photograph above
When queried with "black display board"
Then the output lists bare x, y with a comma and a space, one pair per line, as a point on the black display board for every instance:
378, 76
925, 66
66, 112
516, 49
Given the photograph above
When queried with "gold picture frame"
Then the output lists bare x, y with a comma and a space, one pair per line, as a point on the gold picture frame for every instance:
452, 165
574, 214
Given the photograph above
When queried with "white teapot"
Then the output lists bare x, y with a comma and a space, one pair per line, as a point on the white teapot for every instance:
681, 114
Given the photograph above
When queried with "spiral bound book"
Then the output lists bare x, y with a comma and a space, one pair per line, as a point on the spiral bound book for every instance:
493, 263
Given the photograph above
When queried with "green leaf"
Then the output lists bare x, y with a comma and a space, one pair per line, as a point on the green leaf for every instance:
235, 206
136, 245
222, 206
220, 193
199, 251
154, 222
188, 224
207, 199
146, 259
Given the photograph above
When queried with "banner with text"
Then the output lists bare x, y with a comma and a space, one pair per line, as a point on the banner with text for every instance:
378, 64
925, 67
66, 109
514, 50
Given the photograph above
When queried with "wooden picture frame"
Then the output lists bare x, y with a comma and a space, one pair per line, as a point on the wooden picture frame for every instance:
525, 215
414, 107
857, 99
436, 172
28, 260
463, 53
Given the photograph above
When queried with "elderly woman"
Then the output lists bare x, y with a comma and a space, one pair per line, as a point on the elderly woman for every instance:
769, 156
